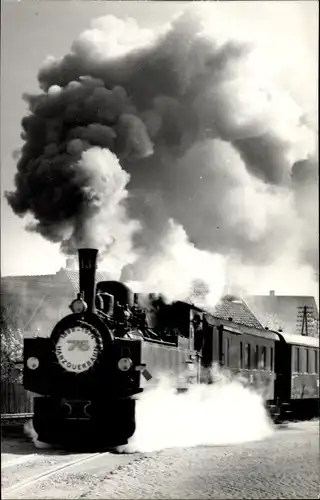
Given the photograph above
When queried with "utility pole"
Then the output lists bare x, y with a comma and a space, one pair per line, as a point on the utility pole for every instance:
304, 313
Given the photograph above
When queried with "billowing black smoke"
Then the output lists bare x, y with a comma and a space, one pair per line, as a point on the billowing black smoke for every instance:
163, 146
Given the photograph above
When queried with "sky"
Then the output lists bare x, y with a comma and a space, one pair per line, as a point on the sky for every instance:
33, 30
30, 32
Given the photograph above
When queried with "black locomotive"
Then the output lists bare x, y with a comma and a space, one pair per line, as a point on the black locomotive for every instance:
98, 359
88, 373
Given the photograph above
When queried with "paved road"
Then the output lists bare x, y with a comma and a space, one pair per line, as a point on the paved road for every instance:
283, 466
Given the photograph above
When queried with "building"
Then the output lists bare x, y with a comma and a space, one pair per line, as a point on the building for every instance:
230, 308
290, 313
35, 303
236, 310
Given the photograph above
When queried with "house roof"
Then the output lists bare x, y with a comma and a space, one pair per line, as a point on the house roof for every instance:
73, 277
285, 312
13, 283
29, 279
230, 307
238, 310
302, 340
41, 298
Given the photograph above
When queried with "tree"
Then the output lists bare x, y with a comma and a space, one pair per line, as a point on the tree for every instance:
11, 343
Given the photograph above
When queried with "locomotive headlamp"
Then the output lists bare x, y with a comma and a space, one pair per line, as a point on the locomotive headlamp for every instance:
124, 364
78, 306
32, 363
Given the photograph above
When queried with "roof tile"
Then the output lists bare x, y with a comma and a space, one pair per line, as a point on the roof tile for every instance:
237, 310
73, 277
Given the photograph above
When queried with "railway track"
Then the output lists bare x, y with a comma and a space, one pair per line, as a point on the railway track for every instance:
10, 491
15, 416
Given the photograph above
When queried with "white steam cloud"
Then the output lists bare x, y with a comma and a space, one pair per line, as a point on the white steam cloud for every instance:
225, 412
173, 147
177, 264
32, 434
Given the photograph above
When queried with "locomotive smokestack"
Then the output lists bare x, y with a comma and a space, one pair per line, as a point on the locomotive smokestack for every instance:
87, 274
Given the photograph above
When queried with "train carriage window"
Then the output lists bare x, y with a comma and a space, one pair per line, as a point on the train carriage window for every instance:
271, 358
247, 353
307, 361
264, 358
241, 355
296, 359
256, 357
315, 361
302, 359
311, 361
226, 351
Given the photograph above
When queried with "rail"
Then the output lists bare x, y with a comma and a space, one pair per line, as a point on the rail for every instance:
14, 416
11, 490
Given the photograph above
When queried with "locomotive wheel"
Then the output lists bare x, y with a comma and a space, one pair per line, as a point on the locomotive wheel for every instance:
43, 420
126, 420
113, 422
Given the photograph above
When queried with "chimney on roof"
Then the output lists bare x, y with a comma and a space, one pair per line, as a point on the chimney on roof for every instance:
272, 293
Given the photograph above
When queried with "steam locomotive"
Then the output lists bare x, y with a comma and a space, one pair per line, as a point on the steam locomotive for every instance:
88, 374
